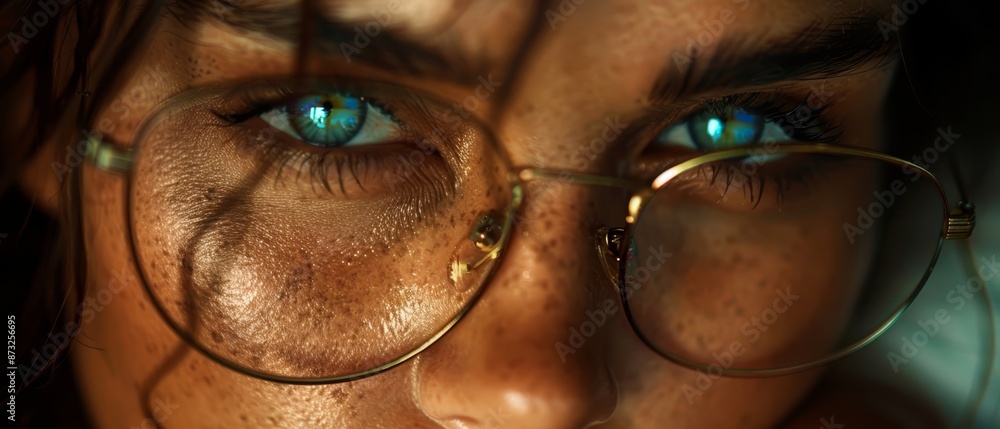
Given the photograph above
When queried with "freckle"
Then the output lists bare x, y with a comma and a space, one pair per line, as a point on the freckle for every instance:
761, 284
244, 418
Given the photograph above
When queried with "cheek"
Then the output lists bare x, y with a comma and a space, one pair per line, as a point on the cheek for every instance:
133, 369
770, 286
663, 391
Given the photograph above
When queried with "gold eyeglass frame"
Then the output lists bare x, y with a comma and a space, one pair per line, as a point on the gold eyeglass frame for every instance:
611, 245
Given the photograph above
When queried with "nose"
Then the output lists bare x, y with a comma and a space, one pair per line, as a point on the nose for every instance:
512, 361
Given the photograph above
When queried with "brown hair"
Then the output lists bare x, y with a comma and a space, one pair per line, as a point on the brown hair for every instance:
62, 61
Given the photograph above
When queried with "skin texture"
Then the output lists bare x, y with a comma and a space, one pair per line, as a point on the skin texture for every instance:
498, 366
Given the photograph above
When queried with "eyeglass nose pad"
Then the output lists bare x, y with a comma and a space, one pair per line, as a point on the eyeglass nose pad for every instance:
487, 232
481, 245
611, 250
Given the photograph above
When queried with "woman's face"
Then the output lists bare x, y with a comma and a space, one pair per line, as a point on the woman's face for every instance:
550, 80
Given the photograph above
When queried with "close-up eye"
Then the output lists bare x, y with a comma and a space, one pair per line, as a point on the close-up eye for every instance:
723, 128
447, 214
332, 120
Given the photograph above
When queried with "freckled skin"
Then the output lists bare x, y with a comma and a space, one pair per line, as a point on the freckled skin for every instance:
498, 367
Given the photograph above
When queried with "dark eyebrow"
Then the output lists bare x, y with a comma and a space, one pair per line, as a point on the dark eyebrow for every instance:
840, 46
385, 50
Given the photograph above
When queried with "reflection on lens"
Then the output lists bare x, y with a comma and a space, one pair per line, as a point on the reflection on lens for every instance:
271, 270
772, 262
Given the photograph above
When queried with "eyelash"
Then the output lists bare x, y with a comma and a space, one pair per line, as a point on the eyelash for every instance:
777, 106
321, 164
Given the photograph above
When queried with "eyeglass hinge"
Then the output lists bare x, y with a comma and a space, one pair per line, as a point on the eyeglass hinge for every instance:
106, 156
961, 221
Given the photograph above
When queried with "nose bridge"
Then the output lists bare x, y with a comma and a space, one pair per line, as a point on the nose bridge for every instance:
513, 359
